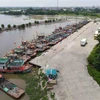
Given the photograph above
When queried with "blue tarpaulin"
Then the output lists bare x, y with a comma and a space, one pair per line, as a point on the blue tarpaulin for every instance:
51, 72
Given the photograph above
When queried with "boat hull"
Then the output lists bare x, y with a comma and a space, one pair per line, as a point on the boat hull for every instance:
26, 70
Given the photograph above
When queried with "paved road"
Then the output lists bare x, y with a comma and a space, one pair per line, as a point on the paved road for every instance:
74, 82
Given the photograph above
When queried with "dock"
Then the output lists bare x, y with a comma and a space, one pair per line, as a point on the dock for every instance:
74, 82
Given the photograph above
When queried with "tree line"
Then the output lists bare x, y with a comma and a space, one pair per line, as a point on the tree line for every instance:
94, 62
76, 11
94, 57
22, 26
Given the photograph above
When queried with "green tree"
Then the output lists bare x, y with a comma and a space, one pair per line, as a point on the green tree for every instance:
53, 20
23, 26
46, 21
50, 21
27, 25
14, 26
19, 26
30, 23
2, 25
0, 29
98, 38
36, 22
9, 26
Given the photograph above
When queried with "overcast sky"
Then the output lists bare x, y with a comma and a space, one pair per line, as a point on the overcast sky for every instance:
48, 3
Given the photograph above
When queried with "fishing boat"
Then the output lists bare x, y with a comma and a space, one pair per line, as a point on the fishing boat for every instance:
18, 51
23, 43
31, 53
8, 65
25, 58
10, 88
18, 66
42, 45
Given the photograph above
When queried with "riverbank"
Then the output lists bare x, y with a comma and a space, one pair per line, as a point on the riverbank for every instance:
36, 85
36, 23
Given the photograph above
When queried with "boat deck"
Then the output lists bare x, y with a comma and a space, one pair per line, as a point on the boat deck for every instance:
11, 89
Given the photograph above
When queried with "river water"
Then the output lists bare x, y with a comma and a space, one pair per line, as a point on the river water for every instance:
8, 38
17, 20
19, 82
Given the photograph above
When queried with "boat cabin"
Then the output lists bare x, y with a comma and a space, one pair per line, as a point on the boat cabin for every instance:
16, 63
4, 62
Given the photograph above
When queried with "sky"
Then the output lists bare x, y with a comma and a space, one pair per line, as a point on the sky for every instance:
48, 3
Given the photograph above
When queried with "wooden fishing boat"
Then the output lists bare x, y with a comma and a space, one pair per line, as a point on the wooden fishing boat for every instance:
10, 88
25, 58
32, 53
41, 48
14, 66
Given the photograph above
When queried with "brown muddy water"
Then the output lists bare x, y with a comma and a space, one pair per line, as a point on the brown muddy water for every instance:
14, 78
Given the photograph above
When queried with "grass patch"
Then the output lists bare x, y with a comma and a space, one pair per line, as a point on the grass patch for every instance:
33, 87
52, 95
39, 54
94, 73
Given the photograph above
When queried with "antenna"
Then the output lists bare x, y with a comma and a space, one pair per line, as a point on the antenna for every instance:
57, 4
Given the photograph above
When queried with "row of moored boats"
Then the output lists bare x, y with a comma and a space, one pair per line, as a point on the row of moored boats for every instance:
17, 60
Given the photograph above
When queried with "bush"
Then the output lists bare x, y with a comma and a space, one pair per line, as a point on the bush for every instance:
98, 38
43, 84
36, 22
27, 25
94, 73
2, 25
9, 26
53, 20
94, 57
94, 62
30, 23
14, 26
23, 26
19, 26
0, 29
52, 95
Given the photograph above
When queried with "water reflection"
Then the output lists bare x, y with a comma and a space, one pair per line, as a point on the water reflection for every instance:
19, 82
